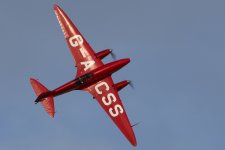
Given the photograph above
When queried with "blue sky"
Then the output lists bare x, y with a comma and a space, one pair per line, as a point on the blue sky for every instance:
177, 50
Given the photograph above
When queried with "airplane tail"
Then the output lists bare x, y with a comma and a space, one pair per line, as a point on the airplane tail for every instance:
47, 102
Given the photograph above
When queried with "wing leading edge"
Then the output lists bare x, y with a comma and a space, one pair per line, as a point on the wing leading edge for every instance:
109, 99
83, 55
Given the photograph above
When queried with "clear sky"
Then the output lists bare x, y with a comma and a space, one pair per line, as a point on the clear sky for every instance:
177, 48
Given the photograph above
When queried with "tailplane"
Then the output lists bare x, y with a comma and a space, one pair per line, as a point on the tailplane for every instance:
46, 99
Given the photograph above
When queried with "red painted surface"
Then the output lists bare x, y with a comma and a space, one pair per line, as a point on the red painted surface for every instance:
48, 103
121, 120
109, 68
70, 30
103, 53
121, 85
92, 76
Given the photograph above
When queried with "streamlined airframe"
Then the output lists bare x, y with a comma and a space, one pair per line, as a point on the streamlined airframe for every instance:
92, 76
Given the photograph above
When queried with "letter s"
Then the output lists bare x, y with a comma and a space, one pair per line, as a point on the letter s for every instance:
118, 109
111, 97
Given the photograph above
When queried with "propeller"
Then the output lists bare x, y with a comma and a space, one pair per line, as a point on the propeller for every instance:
131, 84
113, 54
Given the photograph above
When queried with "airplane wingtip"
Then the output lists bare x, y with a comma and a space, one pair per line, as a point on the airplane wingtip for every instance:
55, 7
131, 138
31, 79
133, 142
52, 115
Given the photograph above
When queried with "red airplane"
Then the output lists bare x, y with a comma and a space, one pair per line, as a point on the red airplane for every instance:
92, 76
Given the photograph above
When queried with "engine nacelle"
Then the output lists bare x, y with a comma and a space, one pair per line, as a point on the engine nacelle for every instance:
103, 53
121, 85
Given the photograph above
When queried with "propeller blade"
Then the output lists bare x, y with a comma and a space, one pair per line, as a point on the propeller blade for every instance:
113, 54
131, 84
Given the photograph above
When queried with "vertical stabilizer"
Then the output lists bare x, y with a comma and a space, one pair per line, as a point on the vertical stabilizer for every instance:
47, 102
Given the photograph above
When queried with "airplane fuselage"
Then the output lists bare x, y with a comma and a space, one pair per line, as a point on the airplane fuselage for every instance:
87, 79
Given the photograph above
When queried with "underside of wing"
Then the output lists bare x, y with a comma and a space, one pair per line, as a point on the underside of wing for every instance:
107, 96
83, 55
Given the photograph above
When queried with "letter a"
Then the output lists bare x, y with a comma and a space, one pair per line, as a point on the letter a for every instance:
87, 64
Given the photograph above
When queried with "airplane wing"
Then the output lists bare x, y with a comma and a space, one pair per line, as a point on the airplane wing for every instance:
107, 96
83, 55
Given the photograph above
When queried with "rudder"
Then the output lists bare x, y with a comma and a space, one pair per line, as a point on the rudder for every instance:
47, 102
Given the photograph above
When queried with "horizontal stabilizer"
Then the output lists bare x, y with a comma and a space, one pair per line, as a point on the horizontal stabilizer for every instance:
48, 102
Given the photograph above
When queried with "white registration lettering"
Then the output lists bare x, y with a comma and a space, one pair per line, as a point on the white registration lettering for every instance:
110, 97
99, 85
76, 40
82, 51
87, 64
115, 112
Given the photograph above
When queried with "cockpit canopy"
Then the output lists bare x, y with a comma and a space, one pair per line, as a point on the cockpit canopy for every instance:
84, 78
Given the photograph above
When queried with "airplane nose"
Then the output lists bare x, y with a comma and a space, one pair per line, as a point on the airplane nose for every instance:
126, 60
123, 62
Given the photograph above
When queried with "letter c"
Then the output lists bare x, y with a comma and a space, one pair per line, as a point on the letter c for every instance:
99, 85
